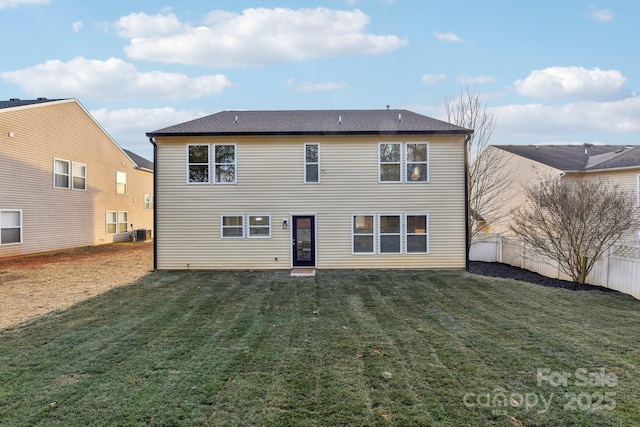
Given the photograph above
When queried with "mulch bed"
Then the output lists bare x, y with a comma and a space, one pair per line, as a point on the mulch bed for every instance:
496, 269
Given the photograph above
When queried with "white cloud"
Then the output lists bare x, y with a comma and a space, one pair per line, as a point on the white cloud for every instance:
447, 37
306, 87
255, 37
563, 82
471, 80
128, 127
540, 121
110, 79
77, 26
431, 79
600, 15
6, 4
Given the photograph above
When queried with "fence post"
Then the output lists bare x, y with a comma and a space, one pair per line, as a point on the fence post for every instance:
499, 247
522, 254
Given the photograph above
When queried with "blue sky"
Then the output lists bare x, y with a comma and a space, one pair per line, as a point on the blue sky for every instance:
552, 71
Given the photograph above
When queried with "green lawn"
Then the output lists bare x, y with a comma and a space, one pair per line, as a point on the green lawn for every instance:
342, 348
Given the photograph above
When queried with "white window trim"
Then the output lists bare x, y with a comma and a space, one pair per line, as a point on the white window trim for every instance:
117, 223
389, 163
20, 227
406, 162
126, 186
249, 226
222, 226
126, 230
208, 181
73, 176
215, 165
68, 162
406, 233
373, 234
400, 234
149, 202
311, 163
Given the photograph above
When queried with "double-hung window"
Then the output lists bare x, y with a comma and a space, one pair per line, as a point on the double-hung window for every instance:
417, 161
311, 163
259, 226
79, 176
225, 163
121, 182
148, 202
390, 165
232, 226
10, 226
61, 173
362, 234
198, 164
417, 233
389, 234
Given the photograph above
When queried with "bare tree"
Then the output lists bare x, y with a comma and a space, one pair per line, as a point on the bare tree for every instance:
575, 222
489, 173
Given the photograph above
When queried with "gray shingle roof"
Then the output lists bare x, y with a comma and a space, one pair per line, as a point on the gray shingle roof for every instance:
579, 157
311, 122
140, 161
15, 102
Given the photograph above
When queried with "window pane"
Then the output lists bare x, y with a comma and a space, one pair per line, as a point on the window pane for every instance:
231, 221
390, 244
9, 235
198, 173
389, 224
226, 173
259, 220
311, 173
390, 153
79, 169
312, 153
363, 244
111, 228
225, 153
417, 243
416, 172
79, 183
62, 181
62, 167
416, 152
232, 232
198, 154
390, 172
416, 224
112, 217
10, 219
363, 224
259, 231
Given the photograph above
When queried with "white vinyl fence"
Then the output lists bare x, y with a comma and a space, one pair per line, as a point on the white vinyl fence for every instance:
619, 270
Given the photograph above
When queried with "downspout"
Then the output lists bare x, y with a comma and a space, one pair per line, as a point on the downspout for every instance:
155, 203
467, 236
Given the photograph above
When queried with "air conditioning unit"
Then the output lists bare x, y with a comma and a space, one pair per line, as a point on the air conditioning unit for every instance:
141, 234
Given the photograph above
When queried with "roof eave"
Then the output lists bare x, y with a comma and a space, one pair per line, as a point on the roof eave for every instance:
324, 133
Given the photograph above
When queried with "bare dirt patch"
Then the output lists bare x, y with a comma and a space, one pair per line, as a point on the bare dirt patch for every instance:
34, 285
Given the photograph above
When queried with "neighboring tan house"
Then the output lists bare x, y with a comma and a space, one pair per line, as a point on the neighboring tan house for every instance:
319, 189
64, 182
533, 164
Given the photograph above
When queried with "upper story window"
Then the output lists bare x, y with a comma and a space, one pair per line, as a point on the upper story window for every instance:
311, 163
68, 174
225, 163
417, 161
389, 164
10, 226
414, 163
121, 182
61, 173
198, 163
148, 202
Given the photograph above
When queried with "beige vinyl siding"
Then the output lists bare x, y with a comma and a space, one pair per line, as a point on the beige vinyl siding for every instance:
57, 218
270, 180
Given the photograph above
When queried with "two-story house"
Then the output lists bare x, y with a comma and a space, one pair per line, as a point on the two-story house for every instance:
532, 165
64, 182
321, 189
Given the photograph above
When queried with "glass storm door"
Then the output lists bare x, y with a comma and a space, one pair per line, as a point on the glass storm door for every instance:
304, 245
